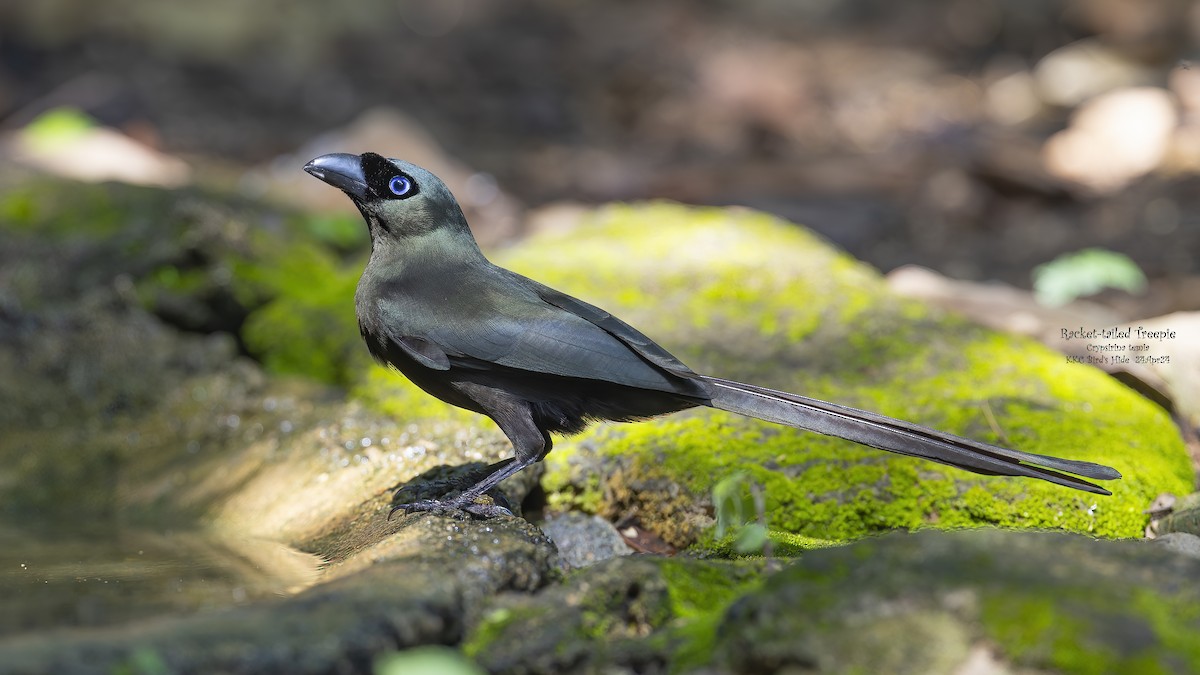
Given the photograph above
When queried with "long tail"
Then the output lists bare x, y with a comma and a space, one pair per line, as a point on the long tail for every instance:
886, 433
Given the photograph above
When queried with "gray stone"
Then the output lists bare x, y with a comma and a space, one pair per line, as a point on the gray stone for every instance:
584, 540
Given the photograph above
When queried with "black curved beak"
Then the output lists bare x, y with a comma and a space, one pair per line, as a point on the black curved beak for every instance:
341, 170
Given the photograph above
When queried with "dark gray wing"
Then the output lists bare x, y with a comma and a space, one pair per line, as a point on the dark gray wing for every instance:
632, 337
517, 323
423, 352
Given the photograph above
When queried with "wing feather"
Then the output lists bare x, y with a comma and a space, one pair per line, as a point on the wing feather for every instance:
524, 325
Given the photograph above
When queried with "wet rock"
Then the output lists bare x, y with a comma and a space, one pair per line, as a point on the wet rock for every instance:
91, 574
421, 584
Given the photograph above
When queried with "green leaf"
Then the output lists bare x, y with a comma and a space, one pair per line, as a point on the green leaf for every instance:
751, 539
430, 660
731, 503
1075, 275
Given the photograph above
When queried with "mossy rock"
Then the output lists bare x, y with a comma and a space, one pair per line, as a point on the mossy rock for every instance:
283, 283
629, 614
931, 602
746, 296
923, 603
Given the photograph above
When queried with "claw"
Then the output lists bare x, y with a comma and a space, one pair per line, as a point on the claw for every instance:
483, 508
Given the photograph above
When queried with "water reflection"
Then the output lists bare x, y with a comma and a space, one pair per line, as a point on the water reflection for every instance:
72, 577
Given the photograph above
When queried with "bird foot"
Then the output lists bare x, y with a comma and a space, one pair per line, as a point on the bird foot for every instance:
482, 507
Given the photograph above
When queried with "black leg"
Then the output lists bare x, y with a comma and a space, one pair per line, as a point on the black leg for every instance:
529, 443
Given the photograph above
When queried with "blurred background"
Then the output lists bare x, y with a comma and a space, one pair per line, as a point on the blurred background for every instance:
979, 138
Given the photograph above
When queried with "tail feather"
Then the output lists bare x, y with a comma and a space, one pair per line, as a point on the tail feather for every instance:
906, 438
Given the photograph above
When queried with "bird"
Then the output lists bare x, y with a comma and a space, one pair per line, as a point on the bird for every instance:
539, 362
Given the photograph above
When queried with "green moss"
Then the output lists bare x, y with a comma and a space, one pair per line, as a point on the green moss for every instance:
700, 588
615, 615
343, 232
18, 208
172, 279
387, 391
204, 258
308, 325
1067, 633
63, 211
1175, 622
56, 128
575, 489
1037, 630
1045, 602
783, 545
699, 594
492, 627
725, 272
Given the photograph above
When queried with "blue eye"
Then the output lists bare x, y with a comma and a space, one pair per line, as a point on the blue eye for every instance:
400, 185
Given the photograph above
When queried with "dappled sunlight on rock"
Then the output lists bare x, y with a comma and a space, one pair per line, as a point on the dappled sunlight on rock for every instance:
1013, 98
1113, 139
1078, 71
99, 154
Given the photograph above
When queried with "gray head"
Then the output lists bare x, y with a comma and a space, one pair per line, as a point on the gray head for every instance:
397, 199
